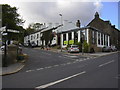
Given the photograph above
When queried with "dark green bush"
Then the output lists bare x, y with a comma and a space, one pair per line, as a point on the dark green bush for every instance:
79, 44
86, 46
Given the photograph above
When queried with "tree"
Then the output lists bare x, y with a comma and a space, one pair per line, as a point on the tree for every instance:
11, 17
86, 46
47, 37
37, 26
29, 30
32, 28
12, 20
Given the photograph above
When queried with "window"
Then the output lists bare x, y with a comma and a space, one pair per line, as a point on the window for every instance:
75, 36
107, 40
28, 36
31, 37
37, 36
98, 38
93, 37
104, 40
70, 36
101, 39
64, 39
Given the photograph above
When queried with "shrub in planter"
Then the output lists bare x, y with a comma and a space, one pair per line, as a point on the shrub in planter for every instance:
86, 46
68, 46
79, 44
92, 50
20, 57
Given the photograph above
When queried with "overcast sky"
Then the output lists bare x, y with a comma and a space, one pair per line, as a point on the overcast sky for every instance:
48, 12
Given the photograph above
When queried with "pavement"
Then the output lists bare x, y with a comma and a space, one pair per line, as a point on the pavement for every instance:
97, 54
13, 68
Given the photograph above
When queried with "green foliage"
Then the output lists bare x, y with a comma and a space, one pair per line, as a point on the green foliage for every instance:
28, 31
32, 28
37, 26
12, 20
47, 36
68, 46
86, 46
79, 44
10, 17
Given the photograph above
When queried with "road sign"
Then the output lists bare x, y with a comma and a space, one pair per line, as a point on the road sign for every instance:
3, 28
14, 31
5, 34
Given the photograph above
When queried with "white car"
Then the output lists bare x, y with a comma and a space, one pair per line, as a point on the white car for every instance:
2, 48
73, 48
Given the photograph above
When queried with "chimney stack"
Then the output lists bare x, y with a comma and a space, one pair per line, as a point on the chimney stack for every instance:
78, 23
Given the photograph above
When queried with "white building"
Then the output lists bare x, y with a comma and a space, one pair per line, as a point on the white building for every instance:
94, 37
36, 36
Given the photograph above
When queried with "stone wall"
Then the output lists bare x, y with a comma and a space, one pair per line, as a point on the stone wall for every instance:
11, 54
106, 27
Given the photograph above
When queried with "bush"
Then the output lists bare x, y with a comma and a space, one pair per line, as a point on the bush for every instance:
79, 45
68, 46
86, 46
92, 50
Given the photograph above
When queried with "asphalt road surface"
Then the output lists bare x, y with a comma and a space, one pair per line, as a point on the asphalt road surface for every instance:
46, 69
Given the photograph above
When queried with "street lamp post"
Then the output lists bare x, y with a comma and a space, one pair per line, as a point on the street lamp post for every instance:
5, 50
82, 41
61, 32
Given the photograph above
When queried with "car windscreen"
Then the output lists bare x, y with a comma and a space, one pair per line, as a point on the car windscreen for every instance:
74, 46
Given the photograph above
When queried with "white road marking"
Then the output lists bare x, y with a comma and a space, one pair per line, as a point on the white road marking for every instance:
65, 57
63, 64
58, 81
74, 62
106, 63
77, 60
59, 56
56, 65
48, 67
29, 70
69, 63
39, 68
72, 56
84, 59
46, 53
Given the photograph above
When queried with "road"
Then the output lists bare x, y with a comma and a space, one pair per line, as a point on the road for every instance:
46, 69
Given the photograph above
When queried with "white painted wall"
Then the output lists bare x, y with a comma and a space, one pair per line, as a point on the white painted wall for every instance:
87, 35
78, 36
72, 35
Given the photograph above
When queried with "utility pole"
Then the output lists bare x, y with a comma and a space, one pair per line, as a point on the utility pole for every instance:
82, 41
61, 32
5, 50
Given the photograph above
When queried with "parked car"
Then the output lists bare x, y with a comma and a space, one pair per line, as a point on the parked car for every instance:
33, 44
113, 48
25, 44
106, 49
73, 48
2, 48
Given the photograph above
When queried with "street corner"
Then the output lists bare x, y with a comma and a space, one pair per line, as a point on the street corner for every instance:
24, 58
12, 71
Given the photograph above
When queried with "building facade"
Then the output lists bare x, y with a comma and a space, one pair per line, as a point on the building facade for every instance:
98, 33
36, 37
106, 27
94, 37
